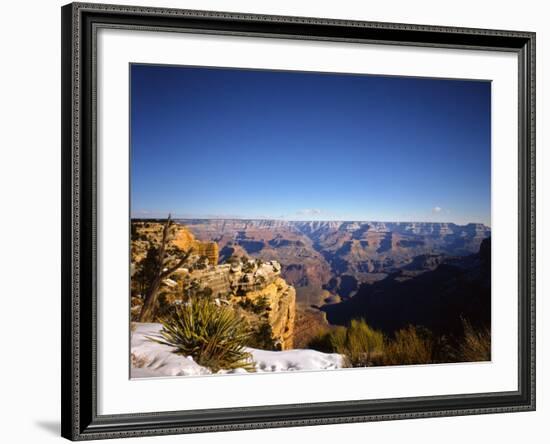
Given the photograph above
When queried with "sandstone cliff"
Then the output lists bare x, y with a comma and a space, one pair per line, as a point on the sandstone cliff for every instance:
184, 240
143, 233
281, 301
254, 287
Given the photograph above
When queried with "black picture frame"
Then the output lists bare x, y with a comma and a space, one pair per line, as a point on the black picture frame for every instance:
80, 420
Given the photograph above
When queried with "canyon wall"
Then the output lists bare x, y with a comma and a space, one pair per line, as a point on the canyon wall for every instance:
323, 259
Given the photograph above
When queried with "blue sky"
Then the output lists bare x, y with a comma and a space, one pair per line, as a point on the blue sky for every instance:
209, 142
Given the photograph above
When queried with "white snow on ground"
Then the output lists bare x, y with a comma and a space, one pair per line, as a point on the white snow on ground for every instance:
288, 360
151, 359
154, 359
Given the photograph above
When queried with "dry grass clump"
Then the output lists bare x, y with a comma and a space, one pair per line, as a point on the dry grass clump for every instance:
360, 345
411, 345
476, 345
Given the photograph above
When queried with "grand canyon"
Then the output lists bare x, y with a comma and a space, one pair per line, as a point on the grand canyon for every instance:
328, 261
339, 268
294, 281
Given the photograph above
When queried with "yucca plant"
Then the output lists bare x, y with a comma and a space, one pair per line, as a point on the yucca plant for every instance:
214, 336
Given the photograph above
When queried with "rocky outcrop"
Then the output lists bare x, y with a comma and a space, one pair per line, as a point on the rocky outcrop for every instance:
281, 300
255, 287
145, 232
232, 279
250, 283
184, 239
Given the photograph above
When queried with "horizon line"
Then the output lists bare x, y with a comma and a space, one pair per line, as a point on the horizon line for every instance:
309, 220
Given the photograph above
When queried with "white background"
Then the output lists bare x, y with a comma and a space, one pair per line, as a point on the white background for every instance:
29, 180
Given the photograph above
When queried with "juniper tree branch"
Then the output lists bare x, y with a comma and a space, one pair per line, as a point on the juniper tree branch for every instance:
169, 271
162, 250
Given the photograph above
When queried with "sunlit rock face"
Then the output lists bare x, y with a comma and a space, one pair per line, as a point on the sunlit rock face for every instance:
237, 283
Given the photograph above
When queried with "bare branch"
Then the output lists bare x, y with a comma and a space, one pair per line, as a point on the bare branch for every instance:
182, 260
165, 232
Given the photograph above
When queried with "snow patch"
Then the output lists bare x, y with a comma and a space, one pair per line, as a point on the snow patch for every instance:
299, 359
151, 359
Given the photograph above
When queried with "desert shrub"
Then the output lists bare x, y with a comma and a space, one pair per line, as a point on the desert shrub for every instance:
246, 304
261, 281
206, 293
164, 307
443, 349
411, 345
233, 259
322, 341
260, 306
146, 270
262, 337
360, 344
214, 336
476, 345
248, 267
201, 263
195, 290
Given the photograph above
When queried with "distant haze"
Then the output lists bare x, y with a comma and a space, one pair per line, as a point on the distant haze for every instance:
251, 144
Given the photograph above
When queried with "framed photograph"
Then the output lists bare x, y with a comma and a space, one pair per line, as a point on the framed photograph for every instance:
280, 221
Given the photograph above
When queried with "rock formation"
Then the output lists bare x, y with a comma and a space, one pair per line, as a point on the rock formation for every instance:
144, 232
242, 282
281, 301
184, 239
246, 283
